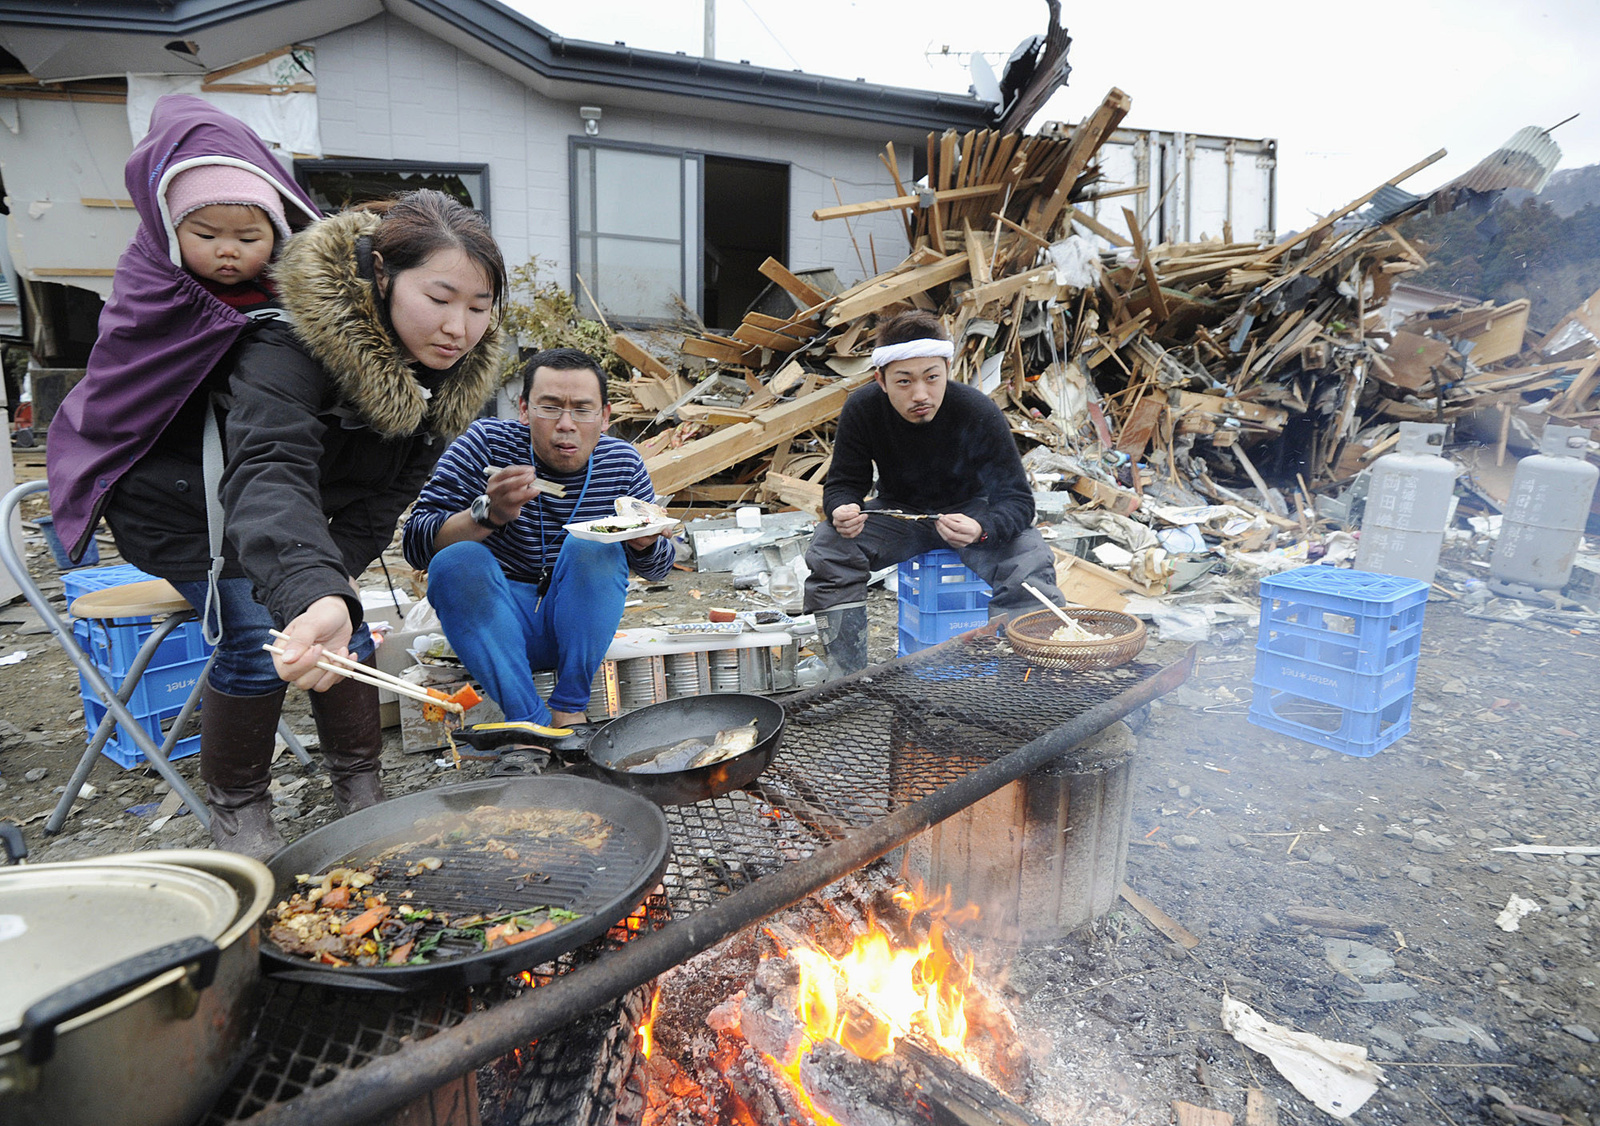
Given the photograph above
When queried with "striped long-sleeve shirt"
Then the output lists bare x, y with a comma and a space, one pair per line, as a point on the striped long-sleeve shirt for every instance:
528, 546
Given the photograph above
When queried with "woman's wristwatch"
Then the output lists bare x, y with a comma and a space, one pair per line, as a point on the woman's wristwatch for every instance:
480, 513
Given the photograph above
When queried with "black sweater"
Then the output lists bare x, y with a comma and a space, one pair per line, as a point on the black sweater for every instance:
963, 461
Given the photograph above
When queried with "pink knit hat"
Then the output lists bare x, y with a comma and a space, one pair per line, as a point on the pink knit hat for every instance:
205, 184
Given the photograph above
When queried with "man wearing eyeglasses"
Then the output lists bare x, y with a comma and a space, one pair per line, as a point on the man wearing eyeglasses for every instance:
513, 591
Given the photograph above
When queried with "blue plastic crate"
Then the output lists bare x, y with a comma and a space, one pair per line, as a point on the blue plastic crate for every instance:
101, 578
1351, 731
1353, 620
112, 646
1330, 683
120, 747
169, 677
919, 629
937, 581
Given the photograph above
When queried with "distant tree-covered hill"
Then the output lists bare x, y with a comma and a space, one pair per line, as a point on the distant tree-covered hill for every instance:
1517, 249
1569, 190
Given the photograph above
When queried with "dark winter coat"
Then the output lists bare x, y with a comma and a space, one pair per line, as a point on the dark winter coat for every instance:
331, 429
965, 460
161, 333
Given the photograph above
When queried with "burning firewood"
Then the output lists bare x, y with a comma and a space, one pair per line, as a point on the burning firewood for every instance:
770, 1046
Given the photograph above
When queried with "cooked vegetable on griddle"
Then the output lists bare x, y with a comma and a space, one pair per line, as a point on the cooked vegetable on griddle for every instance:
372, 911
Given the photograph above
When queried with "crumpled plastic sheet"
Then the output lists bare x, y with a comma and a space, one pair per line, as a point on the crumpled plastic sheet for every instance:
1337, 1077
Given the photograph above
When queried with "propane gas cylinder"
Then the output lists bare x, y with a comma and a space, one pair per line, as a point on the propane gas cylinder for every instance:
1544, 517
1408, 506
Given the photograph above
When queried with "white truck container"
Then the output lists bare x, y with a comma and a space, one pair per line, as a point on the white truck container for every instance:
1198, 185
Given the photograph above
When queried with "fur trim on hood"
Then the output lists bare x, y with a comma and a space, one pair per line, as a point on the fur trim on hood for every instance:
333, 304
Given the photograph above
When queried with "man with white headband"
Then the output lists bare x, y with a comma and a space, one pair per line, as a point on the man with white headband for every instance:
940, 449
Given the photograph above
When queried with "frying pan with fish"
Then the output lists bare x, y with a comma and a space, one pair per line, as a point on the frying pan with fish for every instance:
602, 879
691, 717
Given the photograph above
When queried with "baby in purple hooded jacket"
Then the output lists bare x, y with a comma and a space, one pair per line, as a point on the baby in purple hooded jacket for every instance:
229, 221
171, 318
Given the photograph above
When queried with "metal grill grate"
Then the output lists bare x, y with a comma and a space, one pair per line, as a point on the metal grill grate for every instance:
853, 752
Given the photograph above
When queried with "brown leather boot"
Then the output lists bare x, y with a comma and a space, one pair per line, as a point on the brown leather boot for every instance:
236, 737
352, 739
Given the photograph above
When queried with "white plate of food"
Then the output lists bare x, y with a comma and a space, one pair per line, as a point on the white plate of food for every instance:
616, 529
766, 621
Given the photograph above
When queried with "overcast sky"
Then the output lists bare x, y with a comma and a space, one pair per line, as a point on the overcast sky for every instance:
1353, 92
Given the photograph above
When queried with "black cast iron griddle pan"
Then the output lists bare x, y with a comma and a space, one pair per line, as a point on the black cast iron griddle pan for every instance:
690, 717
604, 885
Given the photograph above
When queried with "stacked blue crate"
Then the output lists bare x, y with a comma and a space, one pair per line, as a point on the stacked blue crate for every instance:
112, 646
1336, 657
939, 598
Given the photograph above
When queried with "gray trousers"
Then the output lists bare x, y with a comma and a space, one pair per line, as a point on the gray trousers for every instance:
840, 567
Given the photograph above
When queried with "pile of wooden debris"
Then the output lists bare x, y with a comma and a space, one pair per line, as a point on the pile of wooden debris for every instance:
1167, 372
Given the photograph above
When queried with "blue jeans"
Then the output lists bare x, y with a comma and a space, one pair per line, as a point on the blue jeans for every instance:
242, 667
502, 630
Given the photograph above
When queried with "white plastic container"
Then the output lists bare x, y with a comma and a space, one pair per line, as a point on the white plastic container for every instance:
1545, 515
1408, 506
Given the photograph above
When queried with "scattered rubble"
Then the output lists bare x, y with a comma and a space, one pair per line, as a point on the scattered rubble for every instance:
1183, 401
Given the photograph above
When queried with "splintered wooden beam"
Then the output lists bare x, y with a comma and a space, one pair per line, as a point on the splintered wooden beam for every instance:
777, 341
807, 295
871, 207
1162, 921
636, 357
802, 494
1098, 227
721, 349
977, 256
1158, 302
797, 325
1192, 402
1005, 288
695, 461
886, 292
1189, 1114
1086, 141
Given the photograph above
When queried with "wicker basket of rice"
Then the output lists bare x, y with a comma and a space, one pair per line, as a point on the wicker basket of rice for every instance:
1096, 639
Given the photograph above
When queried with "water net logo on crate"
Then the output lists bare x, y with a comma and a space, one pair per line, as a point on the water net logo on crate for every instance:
1307, 676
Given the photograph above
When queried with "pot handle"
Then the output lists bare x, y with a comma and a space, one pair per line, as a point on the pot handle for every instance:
38, 1033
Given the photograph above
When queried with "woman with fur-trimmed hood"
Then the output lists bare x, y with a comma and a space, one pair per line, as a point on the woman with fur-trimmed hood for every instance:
334, 419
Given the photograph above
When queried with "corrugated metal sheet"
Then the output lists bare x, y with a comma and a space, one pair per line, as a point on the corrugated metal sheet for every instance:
1525, 161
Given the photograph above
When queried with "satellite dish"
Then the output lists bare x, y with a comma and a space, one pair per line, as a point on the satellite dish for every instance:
984, 84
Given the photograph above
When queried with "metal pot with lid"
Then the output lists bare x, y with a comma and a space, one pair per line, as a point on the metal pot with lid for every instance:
128, 985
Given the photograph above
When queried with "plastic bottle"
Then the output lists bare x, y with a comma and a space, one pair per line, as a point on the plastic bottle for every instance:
1545, 516
1408, 506
784, 587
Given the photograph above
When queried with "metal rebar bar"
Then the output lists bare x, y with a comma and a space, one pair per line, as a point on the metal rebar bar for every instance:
364, 1093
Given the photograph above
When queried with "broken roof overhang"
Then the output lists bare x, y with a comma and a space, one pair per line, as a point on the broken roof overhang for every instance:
521, 42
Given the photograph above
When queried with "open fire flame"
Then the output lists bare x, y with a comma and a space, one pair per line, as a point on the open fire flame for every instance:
877, 993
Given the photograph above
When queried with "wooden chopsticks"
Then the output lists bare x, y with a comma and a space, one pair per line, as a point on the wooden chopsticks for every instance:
355, 670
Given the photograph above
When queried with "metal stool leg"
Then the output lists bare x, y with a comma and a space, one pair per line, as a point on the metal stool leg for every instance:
293, 740
108, 722
86, 668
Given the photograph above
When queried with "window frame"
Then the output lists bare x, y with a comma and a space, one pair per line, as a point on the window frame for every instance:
686, 264
302, 169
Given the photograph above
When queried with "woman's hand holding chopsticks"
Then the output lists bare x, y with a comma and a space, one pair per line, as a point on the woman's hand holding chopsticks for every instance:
323, 629
343, 665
